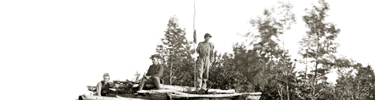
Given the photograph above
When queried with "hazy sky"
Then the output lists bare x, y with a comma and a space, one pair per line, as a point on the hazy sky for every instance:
65, 45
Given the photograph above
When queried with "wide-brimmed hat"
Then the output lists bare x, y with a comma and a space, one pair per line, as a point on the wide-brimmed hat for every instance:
155, 55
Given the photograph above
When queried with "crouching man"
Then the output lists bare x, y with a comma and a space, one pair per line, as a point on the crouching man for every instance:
103, 86
155, 71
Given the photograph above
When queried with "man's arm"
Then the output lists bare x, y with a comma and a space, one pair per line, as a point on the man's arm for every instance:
212, 52
99, 88
198, 48
146, 77
148, 71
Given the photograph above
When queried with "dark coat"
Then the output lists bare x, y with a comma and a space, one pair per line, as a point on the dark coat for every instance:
155, 70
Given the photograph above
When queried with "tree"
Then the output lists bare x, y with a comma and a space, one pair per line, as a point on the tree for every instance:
268, 64
137, 76
175, 51
355, 83
364, 83
222, 74
318, 43
345, 83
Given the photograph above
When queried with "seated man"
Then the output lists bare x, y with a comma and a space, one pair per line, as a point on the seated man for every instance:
155, 71
103, 86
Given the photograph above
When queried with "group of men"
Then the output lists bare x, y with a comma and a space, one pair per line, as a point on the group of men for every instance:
155, 71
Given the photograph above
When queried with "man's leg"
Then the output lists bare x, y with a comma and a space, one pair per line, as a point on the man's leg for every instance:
200, 63
206, 72
143, 81
156, 81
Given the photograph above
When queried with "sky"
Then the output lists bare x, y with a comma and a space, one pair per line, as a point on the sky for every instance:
60, 47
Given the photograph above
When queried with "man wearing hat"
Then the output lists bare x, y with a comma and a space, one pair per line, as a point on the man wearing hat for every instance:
155, 71
103, 86
205, 51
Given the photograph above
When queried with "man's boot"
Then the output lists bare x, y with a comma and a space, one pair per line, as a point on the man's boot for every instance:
199, 88
199, 84
204, 85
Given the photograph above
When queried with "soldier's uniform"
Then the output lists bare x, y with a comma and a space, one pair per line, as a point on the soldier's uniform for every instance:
205, 51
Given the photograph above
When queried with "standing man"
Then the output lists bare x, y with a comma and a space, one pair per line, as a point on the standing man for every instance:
154, 72
205, 51
103, 86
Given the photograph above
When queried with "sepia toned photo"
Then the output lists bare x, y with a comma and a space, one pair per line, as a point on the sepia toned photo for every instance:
187, 50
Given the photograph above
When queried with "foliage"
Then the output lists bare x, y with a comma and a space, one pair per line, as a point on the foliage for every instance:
318, 45
137, 76
264, 65
176, 54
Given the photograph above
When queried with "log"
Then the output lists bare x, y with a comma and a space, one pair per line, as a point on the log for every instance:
253, 97
91, 88
253, 93
118, 81
145, 86
205, 95
121, 86
190, 89
113, 86
177, 94
175, 88
178, 88
231, 91
161, 91
92, 97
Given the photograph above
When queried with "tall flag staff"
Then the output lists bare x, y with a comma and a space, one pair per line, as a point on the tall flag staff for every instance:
195, 42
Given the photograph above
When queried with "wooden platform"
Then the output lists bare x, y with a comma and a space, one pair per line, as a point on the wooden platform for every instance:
92, 97
175, 93
174, 97
230, 94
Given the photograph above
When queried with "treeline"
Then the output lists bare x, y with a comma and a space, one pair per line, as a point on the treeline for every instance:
262, 64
